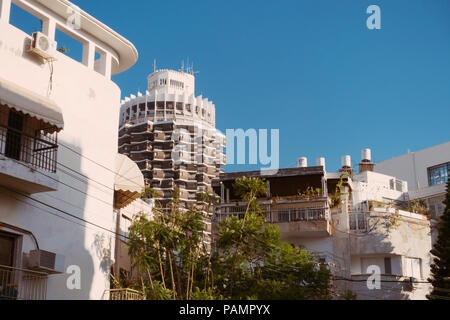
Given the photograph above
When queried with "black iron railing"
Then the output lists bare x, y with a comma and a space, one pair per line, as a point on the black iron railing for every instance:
39, 150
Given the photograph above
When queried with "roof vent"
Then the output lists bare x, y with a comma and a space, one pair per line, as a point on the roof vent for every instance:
320, 162
366, 155
346, 161
366, 163
302, 162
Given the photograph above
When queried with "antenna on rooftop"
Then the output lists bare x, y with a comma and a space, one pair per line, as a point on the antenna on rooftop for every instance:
192, 70
154, 65
188, 68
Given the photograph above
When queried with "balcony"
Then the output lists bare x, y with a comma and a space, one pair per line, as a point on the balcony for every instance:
124, 294
301, 222
294, 222
21, 284
160, 155
28, 159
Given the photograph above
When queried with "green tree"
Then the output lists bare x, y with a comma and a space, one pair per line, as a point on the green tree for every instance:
253, 263
166, 250
440, 269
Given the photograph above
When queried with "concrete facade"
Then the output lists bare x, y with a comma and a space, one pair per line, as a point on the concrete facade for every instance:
414, 168
170, 134
75, 219
368, 229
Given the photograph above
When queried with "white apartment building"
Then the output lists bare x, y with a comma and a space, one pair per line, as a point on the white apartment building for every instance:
61, 179
426, 171
369, 229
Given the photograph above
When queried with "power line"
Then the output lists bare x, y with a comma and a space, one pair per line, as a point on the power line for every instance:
97, 163
67, 185
76, 189
62, 211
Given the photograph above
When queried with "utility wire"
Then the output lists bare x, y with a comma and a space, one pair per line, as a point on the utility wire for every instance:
97, 163
63, 211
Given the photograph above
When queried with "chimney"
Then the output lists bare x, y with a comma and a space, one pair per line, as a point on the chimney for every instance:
347, 165
346, 162
366, 163
320, 162
302, 162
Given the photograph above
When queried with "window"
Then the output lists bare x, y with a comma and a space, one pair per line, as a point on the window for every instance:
13, 145
412, 268
396, 185
27, 139
153, 84
68, 45
358, 222
177, 84
24, 20
7, 245
387, 265
439, 174
124, 228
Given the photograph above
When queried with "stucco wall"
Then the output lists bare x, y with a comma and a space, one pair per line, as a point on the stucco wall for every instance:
90, 104
412, 167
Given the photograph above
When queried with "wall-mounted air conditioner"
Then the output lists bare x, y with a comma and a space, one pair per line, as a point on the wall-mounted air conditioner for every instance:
45, 261
42, 46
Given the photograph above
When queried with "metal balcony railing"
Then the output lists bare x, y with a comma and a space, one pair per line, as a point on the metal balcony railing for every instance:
124, 294
21, 284
280, 215
39, 150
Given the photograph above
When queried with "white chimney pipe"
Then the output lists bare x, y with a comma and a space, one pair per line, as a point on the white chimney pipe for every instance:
366, 155
347, 161
302, 162
320, 162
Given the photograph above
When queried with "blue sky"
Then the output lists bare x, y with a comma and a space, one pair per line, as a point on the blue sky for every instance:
309, 68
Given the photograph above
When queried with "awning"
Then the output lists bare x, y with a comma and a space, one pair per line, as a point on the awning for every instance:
129, 181
33, 104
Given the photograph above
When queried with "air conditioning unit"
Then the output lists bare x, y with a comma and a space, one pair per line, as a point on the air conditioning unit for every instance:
45, 261
42, 46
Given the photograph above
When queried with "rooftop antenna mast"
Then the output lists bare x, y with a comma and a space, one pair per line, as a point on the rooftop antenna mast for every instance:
154, 65
182, 66
192, 70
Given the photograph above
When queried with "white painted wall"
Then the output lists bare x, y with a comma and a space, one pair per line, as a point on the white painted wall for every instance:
412, 167
90, 103
375, 186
